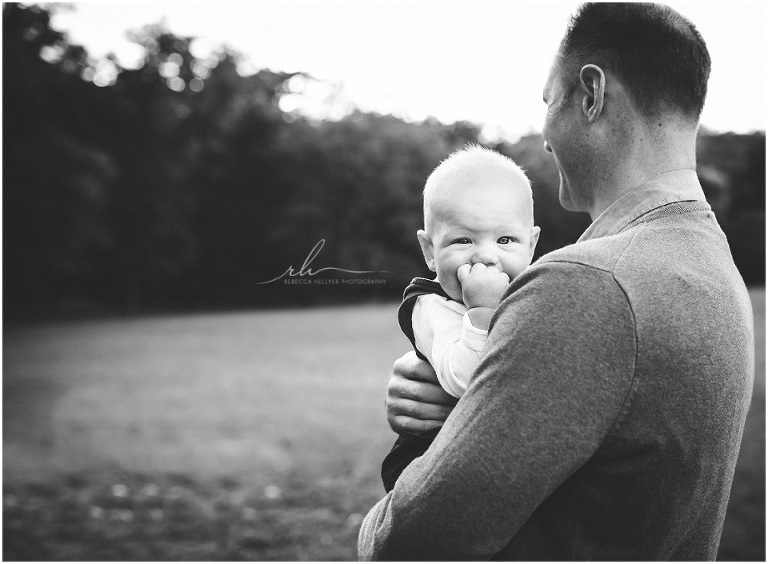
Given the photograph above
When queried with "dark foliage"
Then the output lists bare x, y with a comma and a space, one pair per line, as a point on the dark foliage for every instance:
140, 195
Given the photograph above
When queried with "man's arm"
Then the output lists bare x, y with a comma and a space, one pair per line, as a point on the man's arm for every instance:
557, 368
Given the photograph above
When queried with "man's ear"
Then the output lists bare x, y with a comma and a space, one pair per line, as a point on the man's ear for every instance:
535, 231
593, 84
427, 248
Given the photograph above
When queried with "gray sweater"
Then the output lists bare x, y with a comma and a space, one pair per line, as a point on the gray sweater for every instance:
605, 418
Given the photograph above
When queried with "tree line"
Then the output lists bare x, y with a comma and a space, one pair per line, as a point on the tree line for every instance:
182, 184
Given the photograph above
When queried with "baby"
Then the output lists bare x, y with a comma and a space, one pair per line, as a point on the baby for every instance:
478, 236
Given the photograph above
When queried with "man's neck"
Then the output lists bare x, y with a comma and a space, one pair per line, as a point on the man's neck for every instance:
650, 153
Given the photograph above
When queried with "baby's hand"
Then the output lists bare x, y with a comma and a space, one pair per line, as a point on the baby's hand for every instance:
482, 286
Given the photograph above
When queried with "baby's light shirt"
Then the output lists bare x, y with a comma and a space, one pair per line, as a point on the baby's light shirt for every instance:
445, 335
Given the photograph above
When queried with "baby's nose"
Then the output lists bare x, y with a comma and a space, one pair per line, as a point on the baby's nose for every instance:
486, 257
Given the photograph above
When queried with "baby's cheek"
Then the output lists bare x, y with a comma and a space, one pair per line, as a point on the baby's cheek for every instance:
449, 281
517, 267
453, 288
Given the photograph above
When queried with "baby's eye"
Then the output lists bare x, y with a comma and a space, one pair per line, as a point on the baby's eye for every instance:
462, 241
505, 240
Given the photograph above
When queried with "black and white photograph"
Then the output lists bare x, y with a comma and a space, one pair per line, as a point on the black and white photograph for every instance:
401, 281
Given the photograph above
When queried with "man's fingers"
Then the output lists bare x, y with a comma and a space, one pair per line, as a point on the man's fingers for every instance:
422, 392
411, 367
413, 409
405, 424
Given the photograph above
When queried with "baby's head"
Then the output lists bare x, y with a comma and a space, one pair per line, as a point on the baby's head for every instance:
478, 207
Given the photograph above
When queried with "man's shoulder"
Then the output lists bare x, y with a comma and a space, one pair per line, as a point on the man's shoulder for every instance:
581, 269
587, 268
650, 263
635, 253
602, 253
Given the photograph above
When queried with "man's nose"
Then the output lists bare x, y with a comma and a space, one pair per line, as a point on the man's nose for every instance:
547, 148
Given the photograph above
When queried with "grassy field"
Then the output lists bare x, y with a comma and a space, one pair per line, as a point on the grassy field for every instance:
244, 436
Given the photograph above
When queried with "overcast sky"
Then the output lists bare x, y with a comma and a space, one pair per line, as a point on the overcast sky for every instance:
476, 61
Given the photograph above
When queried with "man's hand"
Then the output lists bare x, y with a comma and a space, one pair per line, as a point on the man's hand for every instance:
482, 286
415, 401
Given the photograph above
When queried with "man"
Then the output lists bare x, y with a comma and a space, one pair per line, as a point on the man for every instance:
604, 420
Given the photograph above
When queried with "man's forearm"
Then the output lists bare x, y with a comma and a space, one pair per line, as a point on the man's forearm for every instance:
512, 439
373, 523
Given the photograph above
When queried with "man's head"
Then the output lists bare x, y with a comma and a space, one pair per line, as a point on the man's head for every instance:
657, 54
478, 207
625, 73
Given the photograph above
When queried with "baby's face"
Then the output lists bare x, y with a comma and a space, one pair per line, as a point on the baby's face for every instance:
489, 222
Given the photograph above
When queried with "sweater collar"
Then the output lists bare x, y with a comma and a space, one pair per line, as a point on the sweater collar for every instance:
670, 187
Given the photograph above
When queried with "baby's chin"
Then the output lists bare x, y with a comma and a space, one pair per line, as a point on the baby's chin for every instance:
449, 288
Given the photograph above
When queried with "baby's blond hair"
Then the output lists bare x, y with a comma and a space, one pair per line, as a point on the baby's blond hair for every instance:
459, 162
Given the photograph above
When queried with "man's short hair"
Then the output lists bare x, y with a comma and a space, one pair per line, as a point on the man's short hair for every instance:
656, 53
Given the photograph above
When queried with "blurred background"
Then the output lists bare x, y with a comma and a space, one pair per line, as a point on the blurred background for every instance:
160, 162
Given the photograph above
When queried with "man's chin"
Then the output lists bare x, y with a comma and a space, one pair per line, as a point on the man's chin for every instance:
566, 202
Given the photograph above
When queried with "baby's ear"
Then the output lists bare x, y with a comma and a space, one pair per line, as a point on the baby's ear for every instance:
427, 249
535, 231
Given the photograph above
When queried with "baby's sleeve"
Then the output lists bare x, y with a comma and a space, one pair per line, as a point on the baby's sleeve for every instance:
445, 335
